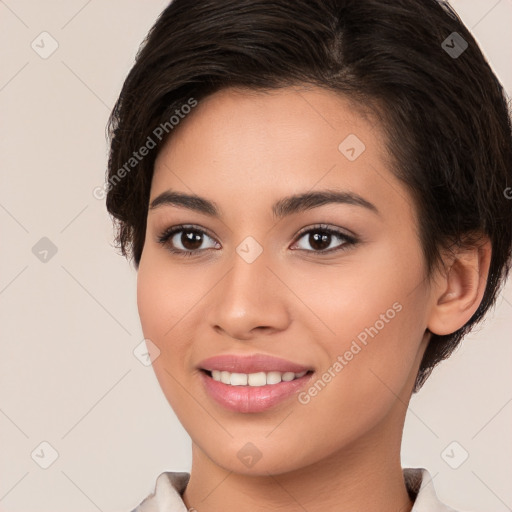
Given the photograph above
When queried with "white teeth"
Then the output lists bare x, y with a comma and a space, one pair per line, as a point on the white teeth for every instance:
255, 379
273, 377
238, 379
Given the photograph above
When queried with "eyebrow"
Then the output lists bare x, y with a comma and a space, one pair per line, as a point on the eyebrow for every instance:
281, 208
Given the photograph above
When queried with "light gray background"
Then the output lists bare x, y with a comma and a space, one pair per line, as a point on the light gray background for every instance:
69, 325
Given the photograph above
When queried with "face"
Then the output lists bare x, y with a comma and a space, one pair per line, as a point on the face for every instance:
245, 289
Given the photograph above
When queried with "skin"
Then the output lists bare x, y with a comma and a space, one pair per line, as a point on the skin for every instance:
244, 150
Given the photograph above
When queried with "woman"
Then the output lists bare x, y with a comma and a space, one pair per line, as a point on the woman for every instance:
314, 194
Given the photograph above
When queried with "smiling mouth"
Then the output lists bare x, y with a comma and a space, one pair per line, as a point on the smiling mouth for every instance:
254, 392
258, 379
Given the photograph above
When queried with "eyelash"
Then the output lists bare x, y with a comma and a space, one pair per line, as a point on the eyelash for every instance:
167, 235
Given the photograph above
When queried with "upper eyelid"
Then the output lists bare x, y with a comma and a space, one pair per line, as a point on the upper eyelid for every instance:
327, 227
183, 227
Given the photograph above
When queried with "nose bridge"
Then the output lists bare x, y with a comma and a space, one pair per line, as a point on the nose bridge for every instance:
247, 283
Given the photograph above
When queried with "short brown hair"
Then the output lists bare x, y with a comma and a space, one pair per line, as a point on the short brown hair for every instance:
443, 110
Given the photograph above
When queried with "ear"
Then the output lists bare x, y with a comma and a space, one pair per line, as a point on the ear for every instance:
459, 290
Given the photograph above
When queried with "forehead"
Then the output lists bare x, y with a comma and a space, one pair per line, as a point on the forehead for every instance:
241, 146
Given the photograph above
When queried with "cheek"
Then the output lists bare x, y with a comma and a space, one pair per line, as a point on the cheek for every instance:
154, 296
170, 298
161, 306
373, 312
163, 299
164, 296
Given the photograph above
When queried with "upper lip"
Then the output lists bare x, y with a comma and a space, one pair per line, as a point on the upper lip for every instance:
251, 364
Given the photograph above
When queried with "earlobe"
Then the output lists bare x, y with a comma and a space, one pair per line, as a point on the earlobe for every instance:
458, 293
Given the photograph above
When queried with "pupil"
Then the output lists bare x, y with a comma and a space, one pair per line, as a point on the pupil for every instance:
319, 241
191, 240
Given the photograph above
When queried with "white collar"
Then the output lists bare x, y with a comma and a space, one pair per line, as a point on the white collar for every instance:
170, 486
419, 482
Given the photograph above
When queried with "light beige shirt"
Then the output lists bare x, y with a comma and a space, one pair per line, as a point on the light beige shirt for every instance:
170, 486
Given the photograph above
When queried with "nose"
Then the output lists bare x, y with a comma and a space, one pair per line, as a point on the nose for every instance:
249, 301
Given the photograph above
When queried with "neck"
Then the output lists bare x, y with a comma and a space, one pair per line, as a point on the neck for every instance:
366, 475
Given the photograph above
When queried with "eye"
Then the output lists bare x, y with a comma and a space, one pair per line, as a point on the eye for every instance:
324, 239
190, 240
187, 240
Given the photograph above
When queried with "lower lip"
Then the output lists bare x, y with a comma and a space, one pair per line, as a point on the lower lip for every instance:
252, 398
